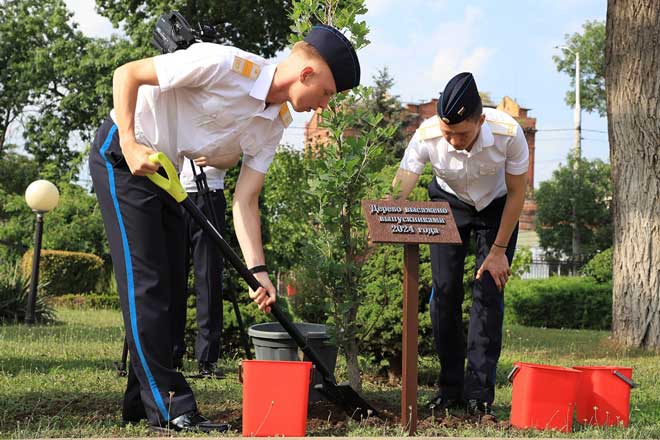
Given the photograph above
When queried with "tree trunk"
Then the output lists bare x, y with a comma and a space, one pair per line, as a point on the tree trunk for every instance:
633, 109
352, 365
395, 368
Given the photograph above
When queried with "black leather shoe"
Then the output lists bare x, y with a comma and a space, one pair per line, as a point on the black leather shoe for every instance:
192, 422
480, 409
442, 403
209, 369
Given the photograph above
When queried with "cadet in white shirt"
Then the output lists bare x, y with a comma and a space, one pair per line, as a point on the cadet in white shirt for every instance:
480, 159
211, 103
207, 264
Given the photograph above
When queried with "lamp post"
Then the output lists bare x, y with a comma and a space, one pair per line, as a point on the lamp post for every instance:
42, 197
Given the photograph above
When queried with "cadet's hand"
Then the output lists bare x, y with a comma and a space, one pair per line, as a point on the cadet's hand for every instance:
497, 265
137, 158
266, 295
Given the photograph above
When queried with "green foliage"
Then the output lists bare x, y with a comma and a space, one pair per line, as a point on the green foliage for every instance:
286, 210
28, 32
58, 101
341, 14
231, 344
74, 225
600, 267
382, 102
86, 301
561, 302
343, 175
379, 318
522, 260
16, 173
591, 191
590, 44
63, 272
16, 226
14, 289
239, 23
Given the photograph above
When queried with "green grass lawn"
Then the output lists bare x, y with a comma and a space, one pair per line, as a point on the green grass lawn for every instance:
59, 381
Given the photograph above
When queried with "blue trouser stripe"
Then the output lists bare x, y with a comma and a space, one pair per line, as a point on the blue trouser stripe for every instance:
129, 278
432, 294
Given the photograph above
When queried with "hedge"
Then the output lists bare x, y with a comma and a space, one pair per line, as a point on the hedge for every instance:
86, 301
560, 302
600, 267
62, 272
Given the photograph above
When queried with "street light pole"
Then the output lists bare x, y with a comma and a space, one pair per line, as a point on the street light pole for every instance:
34, 279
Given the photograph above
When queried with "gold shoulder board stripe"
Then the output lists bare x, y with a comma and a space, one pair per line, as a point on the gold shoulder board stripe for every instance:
285, 115
430, 132
245, 67
502, 128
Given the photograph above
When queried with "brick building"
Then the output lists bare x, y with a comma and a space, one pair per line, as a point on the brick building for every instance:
316, 136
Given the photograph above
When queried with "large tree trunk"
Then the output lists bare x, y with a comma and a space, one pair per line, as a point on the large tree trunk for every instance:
633, 110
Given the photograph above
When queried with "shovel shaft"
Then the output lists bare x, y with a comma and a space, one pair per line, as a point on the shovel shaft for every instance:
342, 395
245, 273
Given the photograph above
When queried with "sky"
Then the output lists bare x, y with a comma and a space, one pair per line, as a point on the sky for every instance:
508, 45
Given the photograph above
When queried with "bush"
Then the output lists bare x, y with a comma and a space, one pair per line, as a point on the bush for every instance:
86, 301
231, 337
380, 317
561, 302
14, 288
63, 272
600, 267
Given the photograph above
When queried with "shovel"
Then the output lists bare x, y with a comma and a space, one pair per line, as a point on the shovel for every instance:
341, 395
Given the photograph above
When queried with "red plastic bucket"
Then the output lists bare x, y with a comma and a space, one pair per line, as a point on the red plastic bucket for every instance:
543, 396
275, 396
604, 395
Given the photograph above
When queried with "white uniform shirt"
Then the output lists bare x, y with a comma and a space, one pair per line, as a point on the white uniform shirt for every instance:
211, 99
215, 178
476, 176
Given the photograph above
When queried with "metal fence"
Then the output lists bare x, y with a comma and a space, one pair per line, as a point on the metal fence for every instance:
547, 268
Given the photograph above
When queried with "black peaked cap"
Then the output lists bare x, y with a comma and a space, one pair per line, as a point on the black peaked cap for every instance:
339, 53
459, 99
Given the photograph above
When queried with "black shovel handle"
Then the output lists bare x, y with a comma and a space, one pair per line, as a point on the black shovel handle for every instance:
249, 278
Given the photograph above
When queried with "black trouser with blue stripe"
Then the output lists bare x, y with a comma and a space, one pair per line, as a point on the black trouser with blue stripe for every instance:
144, 226
484, 340
208, 264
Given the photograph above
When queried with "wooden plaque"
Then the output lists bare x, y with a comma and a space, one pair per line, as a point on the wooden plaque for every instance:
400, 221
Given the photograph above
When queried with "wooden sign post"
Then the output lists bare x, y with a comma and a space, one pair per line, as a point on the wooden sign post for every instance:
410, 223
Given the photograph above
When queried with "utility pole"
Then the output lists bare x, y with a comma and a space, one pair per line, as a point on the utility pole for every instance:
576, 241
577, 152
578, 110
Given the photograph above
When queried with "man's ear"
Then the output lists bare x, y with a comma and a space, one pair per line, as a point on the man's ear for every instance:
305, 73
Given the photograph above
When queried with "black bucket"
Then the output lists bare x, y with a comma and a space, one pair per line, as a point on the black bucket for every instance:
272, 343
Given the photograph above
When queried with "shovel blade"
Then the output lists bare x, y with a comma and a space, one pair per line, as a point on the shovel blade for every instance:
347, 399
